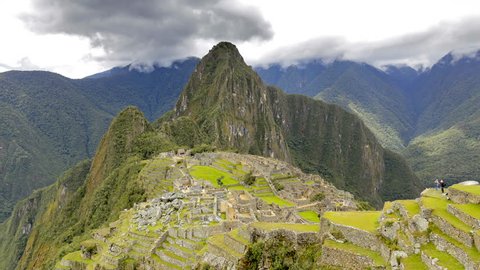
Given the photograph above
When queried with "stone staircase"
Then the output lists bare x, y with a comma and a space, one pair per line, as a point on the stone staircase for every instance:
178, 251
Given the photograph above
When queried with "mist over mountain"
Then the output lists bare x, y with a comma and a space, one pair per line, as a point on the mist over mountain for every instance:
430, 116
224, 106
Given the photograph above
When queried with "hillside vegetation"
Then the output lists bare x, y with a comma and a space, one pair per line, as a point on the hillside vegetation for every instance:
49, 122
431, 117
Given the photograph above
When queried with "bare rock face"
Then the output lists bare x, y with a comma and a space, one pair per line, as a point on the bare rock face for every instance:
420, 224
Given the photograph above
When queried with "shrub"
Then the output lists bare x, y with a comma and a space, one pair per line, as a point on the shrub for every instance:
249, 179
278, 186
318, 197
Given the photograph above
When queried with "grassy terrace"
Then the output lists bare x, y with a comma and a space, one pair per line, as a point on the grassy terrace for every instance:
309, 215
234, 168
470, 189
212, 174
444, 259
363, 220
271, 198
387, 206
77, 257
472, 252
218, 241
414, 262
287, 226
160, 261
434, 200
376, 257
411, 206
470, 209
235, 235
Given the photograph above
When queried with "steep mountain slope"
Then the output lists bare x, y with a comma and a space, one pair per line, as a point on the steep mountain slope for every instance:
92, 208
384, 107
379, 100
49, 223
431, 116
232, 108
306, 79
49, 122
447, 142
224, 104
47, 126
154, 92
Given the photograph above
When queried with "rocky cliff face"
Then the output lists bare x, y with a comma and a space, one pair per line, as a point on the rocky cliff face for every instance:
232, 107
229, 102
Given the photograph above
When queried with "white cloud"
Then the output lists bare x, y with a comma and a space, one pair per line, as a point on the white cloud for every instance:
78, 38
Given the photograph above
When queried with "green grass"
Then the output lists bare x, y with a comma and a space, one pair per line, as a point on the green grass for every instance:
470, 209
364, 220
414, 262
472, 252
444, 259
218, 240
235, 168
235, 235
184, 249
376, 257
270, 198
239, 187
287, 226
439, 206
470, 189
173, 255
411, 206
211, 174
160, 261
77, 257
309, 215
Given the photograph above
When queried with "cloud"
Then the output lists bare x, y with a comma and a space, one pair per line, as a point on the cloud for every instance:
23, 64
420, 48
147, 30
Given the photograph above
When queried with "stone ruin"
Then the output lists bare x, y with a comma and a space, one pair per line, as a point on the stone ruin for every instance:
160, 209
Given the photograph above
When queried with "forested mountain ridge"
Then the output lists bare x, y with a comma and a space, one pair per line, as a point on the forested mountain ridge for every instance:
245, 116
430, 116
227, 102
49, 122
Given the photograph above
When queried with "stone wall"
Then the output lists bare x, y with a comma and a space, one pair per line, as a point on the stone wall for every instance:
218, 262
458, 196
353, 235
465, 238
346, 260
473, 222
431, 263
234, 244
458, 253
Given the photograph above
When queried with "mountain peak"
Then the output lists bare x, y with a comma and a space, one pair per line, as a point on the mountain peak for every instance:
225, 47
219, 75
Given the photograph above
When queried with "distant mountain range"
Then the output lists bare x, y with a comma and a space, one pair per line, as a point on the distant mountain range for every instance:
226, 106
432, 117
49, 122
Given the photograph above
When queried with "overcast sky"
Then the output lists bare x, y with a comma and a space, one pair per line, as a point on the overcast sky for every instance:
79, 38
